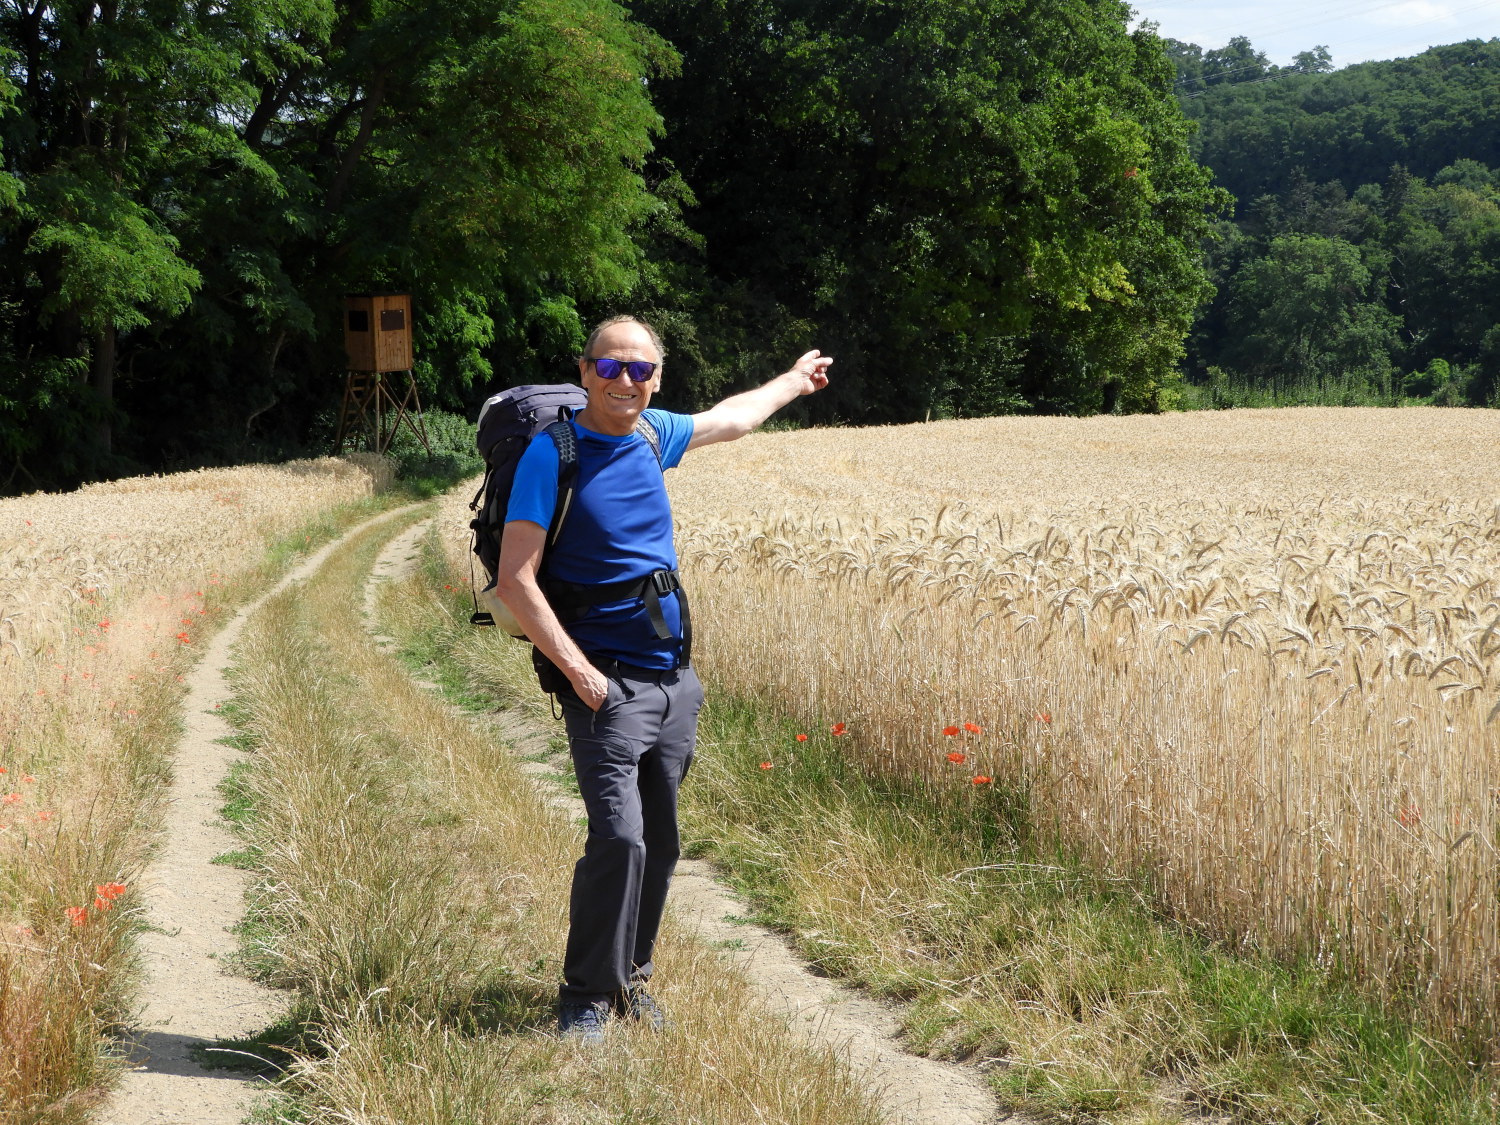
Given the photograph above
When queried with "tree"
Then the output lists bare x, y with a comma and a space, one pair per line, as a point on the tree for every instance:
1315, 61
484, 154
1187, 60
103, 91
1237, 61
978, 207
204, 181
1307, 319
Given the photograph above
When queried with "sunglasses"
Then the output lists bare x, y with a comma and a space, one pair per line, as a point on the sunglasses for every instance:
639, 369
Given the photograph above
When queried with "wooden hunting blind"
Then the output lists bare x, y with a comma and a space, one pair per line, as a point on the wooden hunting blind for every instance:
377, 331
377, 399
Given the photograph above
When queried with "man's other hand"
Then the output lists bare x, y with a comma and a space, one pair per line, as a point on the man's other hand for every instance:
591, 685
813, 369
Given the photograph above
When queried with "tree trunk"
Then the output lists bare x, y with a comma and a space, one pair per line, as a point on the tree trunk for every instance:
103, 383
374, 96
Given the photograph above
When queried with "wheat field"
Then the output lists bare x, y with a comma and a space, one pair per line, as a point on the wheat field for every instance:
1251, 658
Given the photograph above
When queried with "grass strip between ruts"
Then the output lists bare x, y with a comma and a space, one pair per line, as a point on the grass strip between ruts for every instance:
1080, 1001
412, 889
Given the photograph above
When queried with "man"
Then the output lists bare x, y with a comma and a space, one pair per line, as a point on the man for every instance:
611, 626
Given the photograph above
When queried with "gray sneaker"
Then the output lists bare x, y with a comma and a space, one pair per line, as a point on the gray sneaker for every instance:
583, 1023
640, 1007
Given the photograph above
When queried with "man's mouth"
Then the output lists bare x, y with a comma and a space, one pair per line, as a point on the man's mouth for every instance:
620, 398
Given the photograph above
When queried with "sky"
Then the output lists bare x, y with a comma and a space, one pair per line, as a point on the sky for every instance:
1353, 30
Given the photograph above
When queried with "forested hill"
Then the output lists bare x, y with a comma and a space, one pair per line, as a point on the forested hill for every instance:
1352, 125
978, 208
1363, 261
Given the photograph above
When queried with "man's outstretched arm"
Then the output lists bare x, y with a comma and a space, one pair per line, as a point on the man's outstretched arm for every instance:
516, 584
737, 415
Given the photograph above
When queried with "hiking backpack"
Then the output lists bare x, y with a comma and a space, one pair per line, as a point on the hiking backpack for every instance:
507, 423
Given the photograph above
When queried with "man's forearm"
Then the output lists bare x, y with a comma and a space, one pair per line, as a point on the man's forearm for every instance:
737, 415
524, 598
749, 409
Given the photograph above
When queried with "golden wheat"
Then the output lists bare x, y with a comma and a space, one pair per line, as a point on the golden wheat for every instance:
1255, 655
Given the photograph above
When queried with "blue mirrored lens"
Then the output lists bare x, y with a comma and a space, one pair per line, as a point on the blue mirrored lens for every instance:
639, 369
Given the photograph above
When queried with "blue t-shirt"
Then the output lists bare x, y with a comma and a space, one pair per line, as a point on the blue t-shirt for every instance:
619, 528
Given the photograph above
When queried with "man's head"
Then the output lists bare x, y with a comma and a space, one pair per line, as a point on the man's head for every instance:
615, 403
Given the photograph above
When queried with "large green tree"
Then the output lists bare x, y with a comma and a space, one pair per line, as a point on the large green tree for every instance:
108, 98
483, 154
978, 207
203, 181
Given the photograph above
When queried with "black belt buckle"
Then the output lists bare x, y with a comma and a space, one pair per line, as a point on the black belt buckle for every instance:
664, 581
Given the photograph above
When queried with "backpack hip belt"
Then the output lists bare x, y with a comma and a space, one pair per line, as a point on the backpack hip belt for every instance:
571, 600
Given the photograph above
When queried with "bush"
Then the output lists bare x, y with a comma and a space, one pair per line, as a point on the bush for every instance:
453, 453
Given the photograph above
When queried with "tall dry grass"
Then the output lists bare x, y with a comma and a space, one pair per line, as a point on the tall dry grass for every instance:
1253, 658
104, 593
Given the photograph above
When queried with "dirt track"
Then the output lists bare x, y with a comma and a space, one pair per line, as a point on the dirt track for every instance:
192, 903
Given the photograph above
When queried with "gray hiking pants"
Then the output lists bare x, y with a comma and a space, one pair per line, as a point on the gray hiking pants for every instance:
629, 756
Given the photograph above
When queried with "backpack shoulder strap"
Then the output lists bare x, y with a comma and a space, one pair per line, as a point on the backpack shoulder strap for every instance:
566, 440
648, 431
563, 437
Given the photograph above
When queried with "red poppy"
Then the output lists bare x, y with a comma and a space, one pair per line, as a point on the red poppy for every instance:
1410, 817
950, 731
183, 637
973, 728
110, 891
11, 799
765, 765
957, 758
78, 915
838, 729
802, 738
981, 779
45, 815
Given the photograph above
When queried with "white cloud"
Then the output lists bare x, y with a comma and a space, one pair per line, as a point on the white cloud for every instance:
1410, 13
